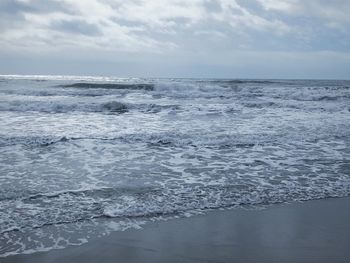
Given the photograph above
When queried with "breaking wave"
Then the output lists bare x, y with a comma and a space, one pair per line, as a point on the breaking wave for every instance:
71, 106
118, 86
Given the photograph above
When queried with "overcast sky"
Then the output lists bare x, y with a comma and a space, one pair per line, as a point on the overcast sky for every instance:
176, 38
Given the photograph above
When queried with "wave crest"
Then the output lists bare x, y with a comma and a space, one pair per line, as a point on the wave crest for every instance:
91, 85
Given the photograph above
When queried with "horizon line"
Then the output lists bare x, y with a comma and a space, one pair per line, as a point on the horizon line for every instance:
23, 76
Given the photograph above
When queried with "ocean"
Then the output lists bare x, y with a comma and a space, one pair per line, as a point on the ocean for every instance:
81, 157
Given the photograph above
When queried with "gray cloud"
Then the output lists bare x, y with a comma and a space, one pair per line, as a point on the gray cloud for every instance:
11, 7
213, 5
76, 26
39, 6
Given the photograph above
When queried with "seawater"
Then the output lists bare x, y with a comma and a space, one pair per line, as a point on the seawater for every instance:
83, 156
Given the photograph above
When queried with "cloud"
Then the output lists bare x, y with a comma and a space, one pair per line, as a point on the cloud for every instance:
135, 25
190, 29
330, 12
76, 26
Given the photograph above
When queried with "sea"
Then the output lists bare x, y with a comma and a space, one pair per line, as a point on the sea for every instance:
83, 157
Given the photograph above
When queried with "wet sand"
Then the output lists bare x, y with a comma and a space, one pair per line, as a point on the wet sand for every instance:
314, 231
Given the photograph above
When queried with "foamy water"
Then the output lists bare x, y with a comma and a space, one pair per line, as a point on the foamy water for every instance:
83, 156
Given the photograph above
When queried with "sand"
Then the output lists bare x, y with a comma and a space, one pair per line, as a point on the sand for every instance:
314, 231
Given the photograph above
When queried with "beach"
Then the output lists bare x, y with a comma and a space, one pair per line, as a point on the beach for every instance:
313, 231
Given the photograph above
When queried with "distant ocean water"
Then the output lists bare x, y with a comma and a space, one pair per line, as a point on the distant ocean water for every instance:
83, 156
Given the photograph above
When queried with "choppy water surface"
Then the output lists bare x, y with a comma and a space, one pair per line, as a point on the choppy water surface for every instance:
83, 156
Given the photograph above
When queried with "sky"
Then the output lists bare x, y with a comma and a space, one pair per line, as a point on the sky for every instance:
177, 38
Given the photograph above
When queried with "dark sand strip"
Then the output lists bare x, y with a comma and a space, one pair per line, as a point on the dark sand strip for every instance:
314, 231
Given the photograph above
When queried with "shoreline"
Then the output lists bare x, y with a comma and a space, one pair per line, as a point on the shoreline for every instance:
312, 231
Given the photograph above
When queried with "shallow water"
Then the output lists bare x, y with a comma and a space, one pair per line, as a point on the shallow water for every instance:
90, 155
